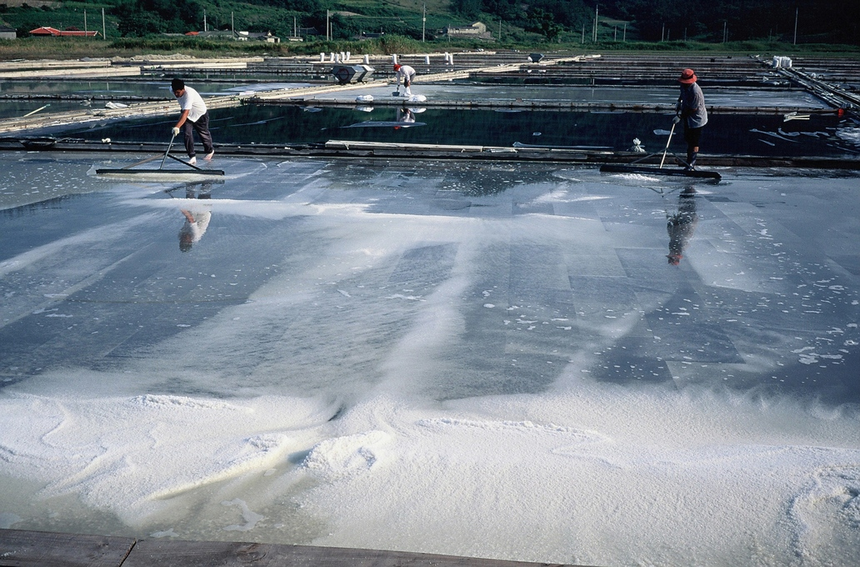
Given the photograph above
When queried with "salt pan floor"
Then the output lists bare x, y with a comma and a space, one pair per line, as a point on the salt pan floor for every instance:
491, 359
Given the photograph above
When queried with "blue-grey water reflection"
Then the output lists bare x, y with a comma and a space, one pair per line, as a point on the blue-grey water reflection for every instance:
726, 133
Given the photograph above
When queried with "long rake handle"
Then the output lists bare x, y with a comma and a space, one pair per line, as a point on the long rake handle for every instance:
170, 145
672, 131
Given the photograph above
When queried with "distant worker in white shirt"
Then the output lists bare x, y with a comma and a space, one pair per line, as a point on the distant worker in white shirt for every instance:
194, 118
405, 73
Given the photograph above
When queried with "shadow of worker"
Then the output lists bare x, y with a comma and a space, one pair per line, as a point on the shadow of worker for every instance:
681, 224
197, 215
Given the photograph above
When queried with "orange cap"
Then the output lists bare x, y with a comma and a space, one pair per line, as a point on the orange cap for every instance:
688, 76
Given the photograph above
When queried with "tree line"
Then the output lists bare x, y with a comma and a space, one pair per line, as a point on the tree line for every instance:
713, 21
834, 21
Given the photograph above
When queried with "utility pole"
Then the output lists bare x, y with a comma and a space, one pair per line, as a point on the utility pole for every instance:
205, 25
85, 23
423, 22
327, 26
594, 35
796, 13
232, 26
104, 29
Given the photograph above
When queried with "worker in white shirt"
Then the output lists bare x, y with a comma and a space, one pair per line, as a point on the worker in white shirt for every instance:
406, 74
194, 118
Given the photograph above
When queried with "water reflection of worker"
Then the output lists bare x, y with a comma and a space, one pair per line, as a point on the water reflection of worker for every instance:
197, 216
681, 225
405, 115
691, 110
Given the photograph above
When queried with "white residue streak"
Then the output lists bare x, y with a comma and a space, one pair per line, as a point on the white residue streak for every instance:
251, 518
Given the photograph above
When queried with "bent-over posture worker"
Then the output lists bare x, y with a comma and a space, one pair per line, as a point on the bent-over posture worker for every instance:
407, 74
194, 118
691, 109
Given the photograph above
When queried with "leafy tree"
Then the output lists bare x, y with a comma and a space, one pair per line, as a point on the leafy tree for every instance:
305, 6
508, 10
137, 23
544, 23
145, 17
470, 9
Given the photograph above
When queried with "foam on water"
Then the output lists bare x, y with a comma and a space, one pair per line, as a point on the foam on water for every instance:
586, 469
850, 134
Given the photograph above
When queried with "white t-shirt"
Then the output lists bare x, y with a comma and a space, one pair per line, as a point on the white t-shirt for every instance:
193, 102
406, 73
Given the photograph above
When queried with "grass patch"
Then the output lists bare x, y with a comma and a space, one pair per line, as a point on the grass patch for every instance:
78, 48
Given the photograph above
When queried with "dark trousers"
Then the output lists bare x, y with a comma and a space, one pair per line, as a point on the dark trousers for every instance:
202, 129
693, 136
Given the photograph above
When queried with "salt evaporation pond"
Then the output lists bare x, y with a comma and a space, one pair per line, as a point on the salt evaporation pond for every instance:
491, 360
736, 132
481, 359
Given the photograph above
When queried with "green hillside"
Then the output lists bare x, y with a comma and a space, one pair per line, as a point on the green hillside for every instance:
324, 25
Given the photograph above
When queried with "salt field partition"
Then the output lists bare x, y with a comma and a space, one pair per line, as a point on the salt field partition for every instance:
481, 359
20, 97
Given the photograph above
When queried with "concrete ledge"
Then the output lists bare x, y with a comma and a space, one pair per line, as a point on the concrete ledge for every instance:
82, 72
46, 549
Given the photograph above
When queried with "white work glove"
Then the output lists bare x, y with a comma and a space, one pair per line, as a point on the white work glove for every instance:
175, 131
676, 119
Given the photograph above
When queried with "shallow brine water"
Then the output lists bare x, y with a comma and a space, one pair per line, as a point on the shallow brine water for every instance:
746, 133
491, 360
275, 125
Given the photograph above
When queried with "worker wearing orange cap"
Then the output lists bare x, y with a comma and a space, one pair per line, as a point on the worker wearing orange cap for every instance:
405, 73
691, 109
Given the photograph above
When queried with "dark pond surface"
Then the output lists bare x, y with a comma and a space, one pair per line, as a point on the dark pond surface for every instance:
821, 135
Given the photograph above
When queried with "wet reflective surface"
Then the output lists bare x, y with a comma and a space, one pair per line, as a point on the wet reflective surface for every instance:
566, 366
725, 233
727, 133
732, 134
